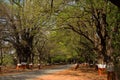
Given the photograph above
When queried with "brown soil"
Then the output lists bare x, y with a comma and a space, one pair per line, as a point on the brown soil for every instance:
71, 74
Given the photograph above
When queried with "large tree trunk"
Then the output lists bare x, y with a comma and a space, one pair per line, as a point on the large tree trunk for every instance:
24, 54
101, 36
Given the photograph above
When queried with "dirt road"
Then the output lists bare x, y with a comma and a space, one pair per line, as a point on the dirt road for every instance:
83, 73
34, 74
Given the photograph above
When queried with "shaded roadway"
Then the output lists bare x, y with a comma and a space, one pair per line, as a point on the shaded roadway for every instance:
34, 74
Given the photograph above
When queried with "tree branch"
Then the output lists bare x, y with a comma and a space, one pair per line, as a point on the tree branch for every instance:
115, 2
80, 33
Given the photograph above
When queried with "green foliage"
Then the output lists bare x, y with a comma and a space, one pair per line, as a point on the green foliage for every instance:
8, 60
58, 59
53, 37
80, 16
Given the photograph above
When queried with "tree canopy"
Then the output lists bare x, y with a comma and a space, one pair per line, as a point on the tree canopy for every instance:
61, 30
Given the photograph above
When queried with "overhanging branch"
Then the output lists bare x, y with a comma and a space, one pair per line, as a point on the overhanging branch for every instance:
115, 2
80, 33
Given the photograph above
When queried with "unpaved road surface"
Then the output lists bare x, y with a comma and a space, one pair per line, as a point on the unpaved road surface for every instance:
82, 73
34, 74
